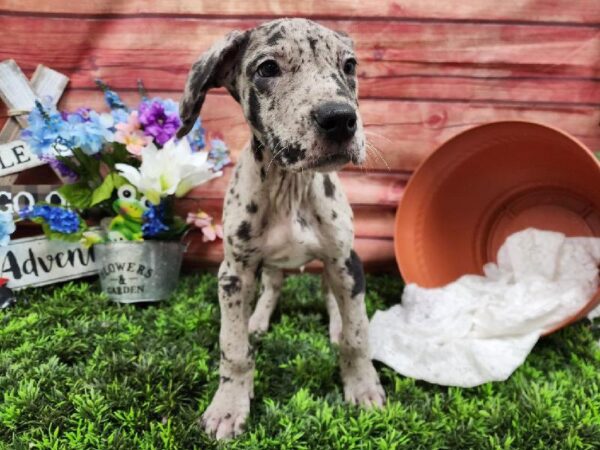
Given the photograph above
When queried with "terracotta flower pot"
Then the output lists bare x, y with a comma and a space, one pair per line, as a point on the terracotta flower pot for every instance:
485, 184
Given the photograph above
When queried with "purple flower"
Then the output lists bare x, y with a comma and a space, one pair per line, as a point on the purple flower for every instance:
157, 122
61, 168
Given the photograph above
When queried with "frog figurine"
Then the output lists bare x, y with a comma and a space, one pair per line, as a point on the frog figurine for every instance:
127, 225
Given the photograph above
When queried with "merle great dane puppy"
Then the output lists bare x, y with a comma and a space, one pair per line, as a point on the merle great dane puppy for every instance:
296, 83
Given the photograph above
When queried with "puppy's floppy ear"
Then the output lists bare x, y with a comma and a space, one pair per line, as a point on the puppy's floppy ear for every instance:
210, 71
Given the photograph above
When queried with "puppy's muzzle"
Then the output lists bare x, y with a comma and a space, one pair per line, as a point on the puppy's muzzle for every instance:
335, 121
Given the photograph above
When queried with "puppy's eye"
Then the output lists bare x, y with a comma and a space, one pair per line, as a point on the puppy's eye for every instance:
350, 66
268, 69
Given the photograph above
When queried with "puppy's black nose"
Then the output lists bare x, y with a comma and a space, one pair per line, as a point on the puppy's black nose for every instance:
336, 121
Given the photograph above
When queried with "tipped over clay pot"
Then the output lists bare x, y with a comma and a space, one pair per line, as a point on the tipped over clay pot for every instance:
484, 185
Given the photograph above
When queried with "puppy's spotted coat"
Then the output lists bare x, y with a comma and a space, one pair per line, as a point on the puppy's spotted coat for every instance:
296, 83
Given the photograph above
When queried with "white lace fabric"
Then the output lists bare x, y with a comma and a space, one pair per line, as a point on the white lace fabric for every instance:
481, 328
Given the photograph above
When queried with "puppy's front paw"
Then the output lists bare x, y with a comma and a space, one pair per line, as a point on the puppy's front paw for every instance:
225, 416
362, 386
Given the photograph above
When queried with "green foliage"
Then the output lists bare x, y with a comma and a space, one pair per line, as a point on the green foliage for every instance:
93, 189
78, 195
105, 191
80, 372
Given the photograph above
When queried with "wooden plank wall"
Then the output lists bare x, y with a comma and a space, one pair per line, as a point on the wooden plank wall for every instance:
428, 70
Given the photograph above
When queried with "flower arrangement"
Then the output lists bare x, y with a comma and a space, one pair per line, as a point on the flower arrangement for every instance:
123, 169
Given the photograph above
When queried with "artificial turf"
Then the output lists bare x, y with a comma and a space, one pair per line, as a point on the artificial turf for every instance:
80, 372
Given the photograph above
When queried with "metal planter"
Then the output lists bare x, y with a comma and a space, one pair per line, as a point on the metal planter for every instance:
132, 272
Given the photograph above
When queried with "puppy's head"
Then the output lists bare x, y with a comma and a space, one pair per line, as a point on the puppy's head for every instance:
296, 83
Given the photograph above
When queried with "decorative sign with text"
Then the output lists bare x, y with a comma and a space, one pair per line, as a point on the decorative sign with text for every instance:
38, 261
17, 197
19, 94
16, 157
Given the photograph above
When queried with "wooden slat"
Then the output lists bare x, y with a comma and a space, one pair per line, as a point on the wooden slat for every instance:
383, 189
585, 11
416, 60
375, 253
404, 132
369, 221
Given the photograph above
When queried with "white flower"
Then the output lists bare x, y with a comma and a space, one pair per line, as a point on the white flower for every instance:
174, 169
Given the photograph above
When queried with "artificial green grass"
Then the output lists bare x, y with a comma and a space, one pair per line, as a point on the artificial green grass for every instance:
80, 372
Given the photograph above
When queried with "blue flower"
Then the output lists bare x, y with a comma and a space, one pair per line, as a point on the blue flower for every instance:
7, 227
45, 126
119, 115
153, 221
197, 136
89, 133
111, 98
57, 218
218, 155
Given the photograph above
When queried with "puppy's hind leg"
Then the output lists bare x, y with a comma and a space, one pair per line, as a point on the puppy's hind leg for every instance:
335, 318
272, 280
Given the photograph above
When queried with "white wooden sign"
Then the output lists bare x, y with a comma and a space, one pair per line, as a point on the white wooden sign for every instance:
20, 94
38, 261
16, 157
17, 197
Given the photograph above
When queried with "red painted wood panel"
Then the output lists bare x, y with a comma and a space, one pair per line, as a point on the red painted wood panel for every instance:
582, 11
398, 60
429, 69
404, 132
382, 189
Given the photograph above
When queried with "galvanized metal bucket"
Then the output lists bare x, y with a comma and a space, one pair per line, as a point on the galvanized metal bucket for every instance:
132, 272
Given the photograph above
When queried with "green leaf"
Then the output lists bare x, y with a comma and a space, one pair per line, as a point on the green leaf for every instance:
105, 190
78, 195
89, 166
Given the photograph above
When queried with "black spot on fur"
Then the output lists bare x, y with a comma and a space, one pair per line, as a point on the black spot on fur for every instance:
244, 230
229, 240
254, 111
275, 38
355, 269
293, 153
259, 269
318, 219
333, 215
263, 174
328, 186
342, 90
352, 83
225, 379
257, 149
313, 45
302, 221
231, 284
252, 207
